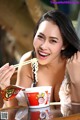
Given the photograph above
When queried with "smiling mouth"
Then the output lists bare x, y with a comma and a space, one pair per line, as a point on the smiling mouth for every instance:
43, 54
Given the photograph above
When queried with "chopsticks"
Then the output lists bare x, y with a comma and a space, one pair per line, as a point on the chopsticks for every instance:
55, 103
26, 62
59, 103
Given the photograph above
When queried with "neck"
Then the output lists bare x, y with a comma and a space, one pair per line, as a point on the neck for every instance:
56, 64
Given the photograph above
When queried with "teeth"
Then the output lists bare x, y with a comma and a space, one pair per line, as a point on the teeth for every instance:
43, 54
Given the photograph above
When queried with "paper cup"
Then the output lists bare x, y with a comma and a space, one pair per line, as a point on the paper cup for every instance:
38, 97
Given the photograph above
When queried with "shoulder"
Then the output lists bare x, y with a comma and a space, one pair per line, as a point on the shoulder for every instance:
26, 56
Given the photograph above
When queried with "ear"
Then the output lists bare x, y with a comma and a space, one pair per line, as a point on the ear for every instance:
63, 48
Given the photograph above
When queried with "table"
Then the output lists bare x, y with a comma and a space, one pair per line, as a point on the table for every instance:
46, 113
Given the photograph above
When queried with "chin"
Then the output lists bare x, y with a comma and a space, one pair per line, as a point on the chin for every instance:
41, 62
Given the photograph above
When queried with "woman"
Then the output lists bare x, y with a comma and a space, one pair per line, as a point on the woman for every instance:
55, 41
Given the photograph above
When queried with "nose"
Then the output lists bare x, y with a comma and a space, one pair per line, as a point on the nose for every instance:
44, 45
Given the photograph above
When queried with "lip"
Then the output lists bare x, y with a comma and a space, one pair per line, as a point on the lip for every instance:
42, 55
43, 52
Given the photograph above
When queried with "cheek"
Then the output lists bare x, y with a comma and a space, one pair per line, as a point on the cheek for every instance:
57, 48
36, 43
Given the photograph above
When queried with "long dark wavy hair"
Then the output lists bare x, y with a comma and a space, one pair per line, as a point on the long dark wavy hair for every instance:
70, 38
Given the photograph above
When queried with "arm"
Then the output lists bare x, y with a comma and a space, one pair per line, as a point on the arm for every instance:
24, 79
6, 73
24, 76
73, 67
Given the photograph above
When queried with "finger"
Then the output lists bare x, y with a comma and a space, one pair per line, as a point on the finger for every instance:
7, 72
2, 86
75, 56
4, 74
71, 59
68, 60
6, 79
4, 67
78, 55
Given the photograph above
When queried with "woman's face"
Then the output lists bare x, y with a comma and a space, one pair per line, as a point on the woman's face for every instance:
48, 43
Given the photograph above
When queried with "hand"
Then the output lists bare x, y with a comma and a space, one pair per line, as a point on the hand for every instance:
6, 73
73, 68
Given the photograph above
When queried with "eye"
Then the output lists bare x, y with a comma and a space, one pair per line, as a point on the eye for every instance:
53, 41
40, 36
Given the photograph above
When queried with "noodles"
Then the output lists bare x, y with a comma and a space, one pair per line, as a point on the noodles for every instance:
34, 65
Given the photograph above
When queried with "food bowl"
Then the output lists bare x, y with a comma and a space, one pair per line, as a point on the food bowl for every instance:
38, 97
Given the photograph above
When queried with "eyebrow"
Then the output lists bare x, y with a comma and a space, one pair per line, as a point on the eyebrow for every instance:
54, 38
42, 34
49, 37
